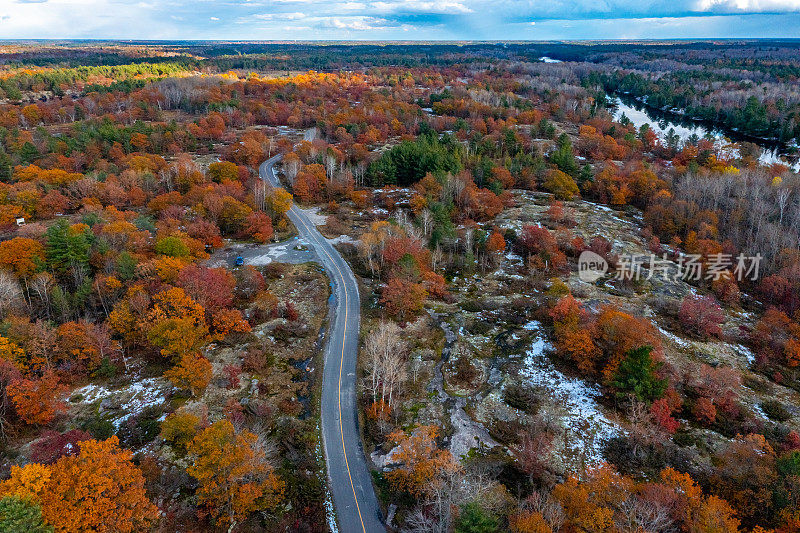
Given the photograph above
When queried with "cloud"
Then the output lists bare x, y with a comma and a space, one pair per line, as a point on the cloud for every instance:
353, 6
358, 23
749, 6
279, 16
82, 19
416, 6
393, 19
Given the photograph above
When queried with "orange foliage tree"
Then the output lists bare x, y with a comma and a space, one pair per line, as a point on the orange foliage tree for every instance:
21, 255
227, 321
403, 299
37, 401
100, 489
618, 333
575, 333
529, 521
77, 344
495, 243
606, 499
234, 478
422, 461
776, 339
27, 482
97, 490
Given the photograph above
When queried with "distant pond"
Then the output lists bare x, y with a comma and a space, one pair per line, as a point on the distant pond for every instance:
662, 121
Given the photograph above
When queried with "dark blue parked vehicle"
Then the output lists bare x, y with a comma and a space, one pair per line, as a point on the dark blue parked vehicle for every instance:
239, 261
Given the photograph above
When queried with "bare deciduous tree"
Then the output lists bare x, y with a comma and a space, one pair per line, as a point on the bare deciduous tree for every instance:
385, 354
426, 221
10, 293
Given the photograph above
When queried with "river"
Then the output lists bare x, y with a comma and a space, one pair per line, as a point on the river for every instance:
661, 122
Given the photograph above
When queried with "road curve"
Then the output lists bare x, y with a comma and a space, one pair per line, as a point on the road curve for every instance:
357, 508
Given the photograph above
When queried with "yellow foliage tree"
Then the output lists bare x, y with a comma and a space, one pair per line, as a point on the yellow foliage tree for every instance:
279, 201
561, 185
176, 323
11, 352
180, 428
192, 373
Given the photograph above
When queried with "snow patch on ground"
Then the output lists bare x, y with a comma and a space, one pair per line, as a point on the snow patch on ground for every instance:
744, 351
129, 400
330, 511
275, 252
581, 410
315, 216
346, 239
758, 410
612, 214
674, 338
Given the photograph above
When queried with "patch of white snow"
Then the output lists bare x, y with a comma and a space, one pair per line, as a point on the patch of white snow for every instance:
582, 414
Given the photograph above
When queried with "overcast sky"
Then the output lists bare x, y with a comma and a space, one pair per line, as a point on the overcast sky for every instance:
398, 19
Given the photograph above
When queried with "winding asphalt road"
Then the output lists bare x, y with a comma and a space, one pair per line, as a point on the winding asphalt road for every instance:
357, 507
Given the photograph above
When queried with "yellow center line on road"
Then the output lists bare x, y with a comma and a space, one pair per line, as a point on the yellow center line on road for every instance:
341, 361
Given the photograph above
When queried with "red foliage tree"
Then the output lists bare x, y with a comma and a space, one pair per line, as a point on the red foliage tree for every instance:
701, 316
780, 291
210, 287
775, 339
52, 445
403, 299
704, 411
541, 248
661, 412
259, 226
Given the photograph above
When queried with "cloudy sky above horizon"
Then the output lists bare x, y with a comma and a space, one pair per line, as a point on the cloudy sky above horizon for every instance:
397, 19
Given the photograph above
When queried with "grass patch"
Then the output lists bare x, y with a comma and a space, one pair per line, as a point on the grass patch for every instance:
775, 410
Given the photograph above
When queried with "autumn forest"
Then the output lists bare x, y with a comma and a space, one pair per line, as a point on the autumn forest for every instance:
165, 325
